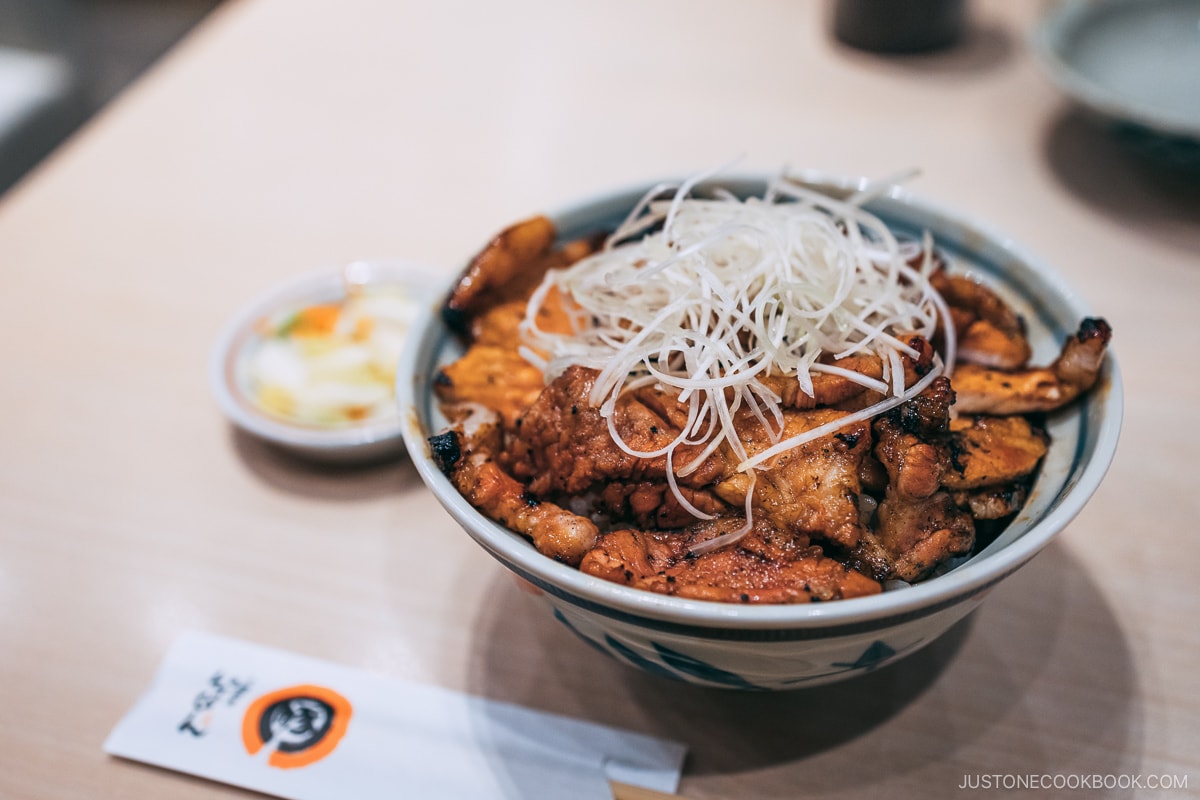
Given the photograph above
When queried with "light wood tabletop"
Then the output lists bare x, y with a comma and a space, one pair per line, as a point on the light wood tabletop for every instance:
284, 135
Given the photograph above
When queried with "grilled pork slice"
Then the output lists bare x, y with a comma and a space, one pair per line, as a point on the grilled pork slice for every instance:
467, 461
992, 451
812, 489
984, 390
918, 526
765, 566
989, 332
563, 445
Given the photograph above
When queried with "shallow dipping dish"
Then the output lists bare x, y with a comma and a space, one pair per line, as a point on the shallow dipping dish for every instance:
369, 439
1133, 63
790, 646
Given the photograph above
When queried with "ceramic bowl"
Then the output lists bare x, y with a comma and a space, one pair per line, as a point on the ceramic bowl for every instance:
788, 646
1134, 64
369, 440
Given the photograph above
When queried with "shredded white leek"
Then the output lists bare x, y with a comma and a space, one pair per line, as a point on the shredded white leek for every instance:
701, 297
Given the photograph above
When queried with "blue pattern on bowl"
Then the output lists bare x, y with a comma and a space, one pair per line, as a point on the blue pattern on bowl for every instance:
673, 664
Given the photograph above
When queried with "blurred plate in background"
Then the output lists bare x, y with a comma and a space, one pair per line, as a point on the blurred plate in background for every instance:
1134, 62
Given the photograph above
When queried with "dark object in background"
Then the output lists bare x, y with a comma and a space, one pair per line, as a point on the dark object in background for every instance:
899, 26
62, 60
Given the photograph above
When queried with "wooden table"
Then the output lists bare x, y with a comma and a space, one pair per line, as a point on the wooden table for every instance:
289, 134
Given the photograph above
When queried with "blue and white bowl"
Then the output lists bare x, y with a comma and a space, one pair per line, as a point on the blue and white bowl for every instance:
790, 646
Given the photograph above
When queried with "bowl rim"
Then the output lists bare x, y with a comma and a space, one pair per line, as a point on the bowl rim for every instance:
643, 606
1047, 41
318, 284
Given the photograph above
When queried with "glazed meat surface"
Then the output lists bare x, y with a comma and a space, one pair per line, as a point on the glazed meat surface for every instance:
563, 444
766, 566
812, 490
493, 376
918, 525
992, 451
989, 332
554, 531
828, 389
894, 497
983, 390
508, 269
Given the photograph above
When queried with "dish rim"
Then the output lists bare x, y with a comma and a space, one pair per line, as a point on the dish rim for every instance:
1047, 40
955, 586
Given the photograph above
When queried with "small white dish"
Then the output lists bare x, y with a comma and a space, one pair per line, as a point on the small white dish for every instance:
229, 372
1133, 62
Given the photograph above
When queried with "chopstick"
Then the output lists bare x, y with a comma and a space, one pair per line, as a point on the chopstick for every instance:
625, 791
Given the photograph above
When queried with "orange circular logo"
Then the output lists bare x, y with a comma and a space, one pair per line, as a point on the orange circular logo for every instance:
300, 725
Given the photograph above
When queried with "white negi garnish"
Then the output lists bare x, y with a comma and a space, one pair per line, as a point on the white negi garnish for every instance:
726, 290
